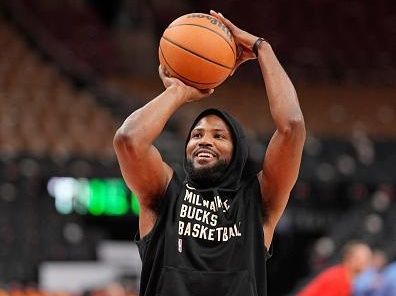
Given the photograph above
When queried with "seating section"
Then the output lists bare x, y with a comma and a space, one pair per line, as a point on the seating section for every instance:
344, 41
41, 111
318, 41
73, 29
329, 110
112, 289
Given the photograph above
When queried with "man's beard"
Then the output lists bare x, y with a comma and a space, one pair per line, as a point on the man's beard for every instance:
207, 176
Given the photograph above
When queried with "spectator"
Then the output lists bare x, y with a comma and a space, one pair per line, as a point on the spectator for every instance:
370, 280
337, 280
388, 286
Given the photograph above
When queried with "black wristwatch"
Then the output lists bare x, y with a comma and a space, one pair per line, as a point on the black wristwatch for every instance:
256, 45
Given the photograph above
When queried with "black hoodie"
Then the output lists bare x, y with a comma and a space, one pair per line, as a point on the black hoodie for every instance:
208, 241
231, 180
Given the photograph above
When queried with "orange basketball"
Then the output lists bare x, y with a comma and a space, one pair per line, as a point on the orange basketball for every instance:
198, 49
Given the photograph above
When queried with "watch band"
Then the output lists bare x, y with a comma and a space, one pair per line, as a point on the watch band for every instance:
256, 45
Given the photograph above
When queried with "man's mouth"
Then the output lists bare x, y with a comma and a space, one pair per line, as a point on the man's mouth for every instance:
205, 153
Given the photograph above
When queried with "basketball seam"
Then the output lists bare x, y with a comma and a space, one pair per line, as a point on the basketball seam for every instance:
209, 30
197, 82
194, 53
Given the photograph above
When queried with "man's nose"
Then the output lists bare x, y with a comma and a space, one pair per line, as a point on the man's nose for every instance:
205, 141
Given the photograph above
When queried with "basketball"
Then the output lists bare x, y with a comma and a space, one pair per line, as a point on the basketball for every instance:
198, 49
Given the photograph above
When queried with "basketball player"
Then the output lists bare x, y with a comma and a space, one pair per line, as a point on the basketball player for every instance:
210, 233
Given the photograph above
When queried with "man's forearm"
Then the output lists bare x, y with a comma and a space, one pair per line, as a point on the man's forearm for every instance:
282, 97
144, 125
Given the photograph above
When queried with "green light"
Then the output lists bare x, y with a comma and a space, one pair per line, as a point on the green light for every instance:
135, 204
96, 197
83, 196
96, 202
116, 203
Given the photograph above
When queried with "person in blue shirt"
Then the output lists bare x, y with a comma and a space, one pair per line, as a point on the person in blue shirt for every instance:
388, 281
370, 281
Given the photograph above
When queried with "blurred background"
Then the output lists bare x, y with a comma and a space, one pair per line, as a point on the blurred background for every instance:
72, 70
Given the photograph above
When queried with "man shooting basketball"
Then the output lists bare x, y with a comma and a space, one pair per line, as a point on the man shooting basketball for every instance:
210, 233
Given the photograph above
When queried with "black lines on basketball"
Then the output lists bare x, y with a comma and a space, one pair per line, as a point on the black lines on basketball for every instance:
181, 76
201, 26
194, 53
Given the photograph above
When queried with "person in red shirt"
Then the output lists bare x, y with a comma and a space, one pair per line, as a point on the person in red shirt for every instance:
337, 280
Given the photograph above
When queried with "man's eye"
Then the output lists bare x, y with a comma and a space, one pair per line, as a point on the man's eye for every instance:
197, 135
218, 136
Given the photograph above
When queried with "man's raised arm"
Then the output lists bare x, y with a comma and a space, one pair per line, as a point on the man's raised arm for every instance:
142, 167
283, 157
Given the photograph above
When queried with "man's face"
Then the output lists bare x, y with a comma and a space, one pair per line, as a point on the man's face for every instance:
361, 258
210, 144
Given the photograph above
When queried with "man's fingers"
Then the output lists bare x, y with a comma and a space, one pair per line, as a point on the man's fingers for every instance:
221, 17
161, 72
208, 92
164, 74
205, 92
167, 73
214, 13
217, 15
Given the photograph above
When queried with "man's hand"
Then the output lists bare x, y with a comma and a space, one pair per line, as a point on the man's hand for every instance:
190, 93
243, 40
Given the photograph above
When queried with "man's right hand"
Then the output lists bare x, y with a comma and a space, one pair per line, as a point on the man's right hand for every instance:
189, 93
243, 40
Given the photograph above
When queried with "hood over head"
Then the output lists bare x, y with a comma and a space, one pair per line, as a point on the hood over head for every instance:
231, 179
